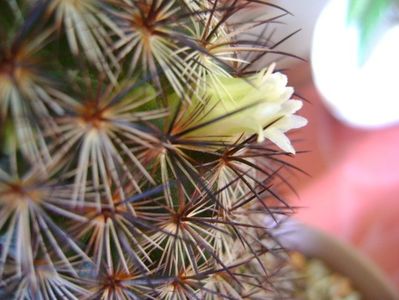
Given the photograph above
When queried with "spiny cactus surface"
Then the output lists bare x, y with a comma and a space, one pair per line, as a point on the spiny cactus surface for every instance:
140, 150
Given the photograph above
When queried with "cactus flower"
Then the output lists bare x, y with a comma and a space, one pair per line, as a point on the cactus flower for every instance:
263, 106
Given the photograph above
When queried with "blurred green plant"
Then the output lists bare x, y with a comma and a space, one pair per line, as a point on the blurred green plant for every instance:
367, 15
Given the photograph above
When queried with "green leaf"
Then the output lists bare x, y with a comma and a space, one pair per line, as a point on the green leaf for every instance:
366, 15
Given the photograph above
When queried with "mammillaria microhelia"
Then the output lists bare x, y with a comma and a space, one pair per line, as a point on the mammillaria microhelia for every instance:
141, 150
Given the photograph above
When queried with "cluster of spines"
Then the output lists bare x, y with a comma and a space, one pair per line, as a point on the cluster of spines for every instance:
102, 195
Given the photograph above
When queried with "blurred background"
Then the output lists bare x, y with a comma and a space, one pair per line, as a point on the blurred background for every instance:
353, 133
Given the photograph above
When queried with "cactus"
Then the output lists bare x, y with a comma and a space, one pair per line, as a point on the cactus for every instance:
141, 150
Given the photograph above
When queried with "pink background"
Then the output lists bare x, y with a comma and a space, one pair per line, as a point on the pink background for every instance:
353, 191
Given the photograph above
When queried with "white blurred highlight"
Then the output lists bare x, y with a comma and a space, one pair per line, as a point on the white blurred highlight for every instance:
360, 95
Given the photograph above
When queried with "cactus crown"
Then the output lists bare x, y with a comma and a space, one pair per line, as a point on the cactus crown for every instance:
141, 150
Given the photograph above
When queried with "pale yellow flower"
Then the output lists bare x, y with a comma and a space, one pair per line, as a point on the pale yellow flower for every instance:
264, 106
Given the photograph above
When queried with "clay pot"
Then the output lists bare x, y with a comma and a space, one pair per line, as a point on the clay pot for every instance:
340, 257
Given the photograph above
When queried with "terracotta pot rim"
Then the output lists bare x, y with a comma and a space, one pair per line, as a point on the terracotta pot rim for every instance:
343, 258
